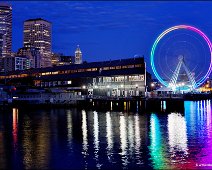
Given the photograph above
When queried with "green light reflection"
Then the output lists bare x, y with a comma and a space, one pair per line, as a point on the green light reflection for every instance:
156, 147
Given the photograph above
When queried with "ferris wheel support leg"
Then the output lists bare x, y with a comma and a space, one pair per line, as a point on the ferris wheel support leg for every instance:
190, 76
175, 75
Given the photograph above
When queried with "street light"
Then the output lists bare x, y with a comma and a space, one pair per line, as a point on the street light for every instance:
181, 85
152, 85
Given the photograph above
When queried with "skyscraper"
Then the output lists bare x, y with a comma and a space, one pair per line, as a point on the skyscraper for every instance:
1, 45
78, 56
5, 30
38, 33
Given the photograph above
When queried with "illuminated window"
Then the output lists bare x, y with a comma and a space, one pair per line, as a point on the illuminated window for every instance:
136, 78
112, 79
106, 79
23, 75
56, 72
81, 70
94, 69
106, 68
130, 66
138, 65
119, 79
61, 72
73, 71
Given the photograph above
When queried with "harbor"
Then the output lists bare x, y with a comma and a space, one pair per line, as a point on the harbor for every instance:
88, 139
105, 85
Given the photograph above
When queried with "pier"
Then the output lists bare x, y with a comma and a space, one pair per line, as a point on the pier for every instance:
135, 104
156, 103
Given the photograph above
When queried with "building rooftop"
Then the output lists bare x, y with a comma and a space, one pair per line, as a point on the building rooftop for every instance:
111, 63
91, 74
37, 19
4, 4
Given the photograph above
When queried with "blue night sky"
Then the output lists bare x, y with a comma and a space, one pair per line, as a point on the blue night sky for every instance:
110, 30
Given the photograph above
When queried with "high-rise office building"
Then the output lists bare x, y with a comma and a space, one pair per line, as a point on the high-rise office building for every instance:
32, 53
78, 56
1, 45
38, 33
5, 31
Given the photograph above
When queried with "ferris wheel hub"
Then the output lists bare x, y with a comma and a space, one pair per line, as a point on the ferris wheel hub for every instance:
180, 57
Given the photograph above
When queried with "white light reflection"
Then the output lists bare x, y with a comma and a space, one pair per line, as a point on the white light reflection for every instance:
84, 134
96, 138
201, 110
109, 135
137, 140
123, 138
177, 133
69, 128
131, 135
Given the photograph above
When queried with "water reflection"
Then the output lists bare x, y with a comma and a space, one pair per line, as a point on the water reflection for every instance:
209, 121
84, 136
177, 134
137, 140
15, 128
96, 138
69, 128
111, 140
35, 143
131, 135
156, 143
207, 159
204, 132
27, 144
2, 152
123, 140
109, 135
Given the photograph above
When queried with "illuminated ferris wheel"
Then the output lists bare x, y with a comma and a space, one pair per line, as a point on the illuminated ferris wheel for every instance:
181, 57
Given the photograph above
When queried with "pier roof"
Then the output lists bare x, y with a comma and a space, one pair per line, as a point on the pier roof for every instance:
101, 64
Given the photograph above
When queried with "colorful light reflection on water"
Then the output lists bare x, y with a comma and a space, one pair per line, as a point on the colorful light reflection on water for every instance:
79, 139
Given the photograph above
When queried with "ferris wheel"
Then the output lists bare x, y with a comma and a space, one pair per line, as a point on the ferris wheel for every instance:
181, 57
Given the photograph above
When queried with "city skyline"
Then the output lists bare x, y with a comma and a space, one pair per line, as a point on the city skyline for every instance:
109, 30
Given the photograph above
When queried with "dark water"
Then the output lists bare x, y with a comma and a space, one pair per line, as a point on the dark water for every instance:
78, 139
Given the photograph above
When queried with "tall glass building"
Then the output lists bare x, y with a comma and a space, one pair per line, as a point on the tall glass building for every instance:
38, 33
5, 29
